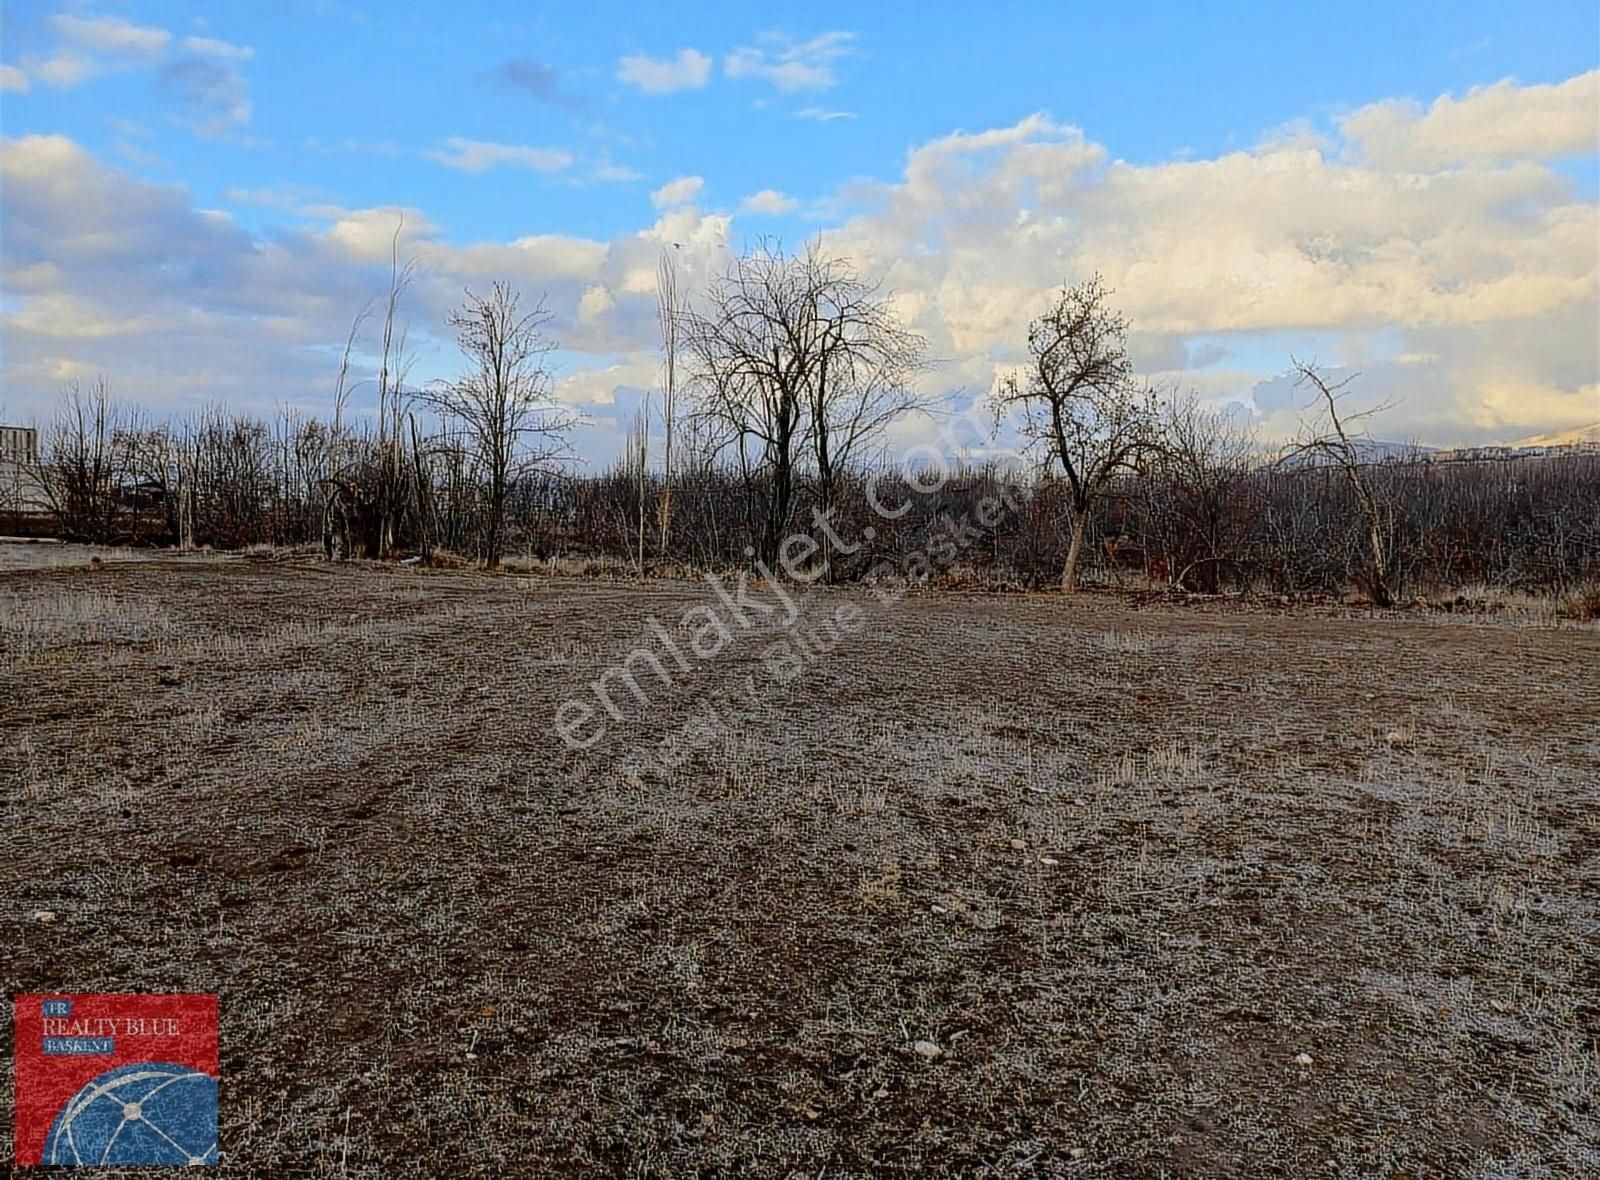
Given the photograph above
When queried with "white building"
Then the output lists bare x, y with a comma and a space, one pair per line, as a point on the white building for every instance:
21, 490
19, 445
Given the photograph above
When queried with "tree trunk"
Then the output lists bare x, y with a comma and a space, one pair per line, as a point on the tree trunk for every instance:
1381, 595
1069, 573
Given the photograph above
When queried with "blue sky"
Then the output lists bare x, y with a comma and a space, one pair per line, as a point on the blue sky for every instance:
287, 123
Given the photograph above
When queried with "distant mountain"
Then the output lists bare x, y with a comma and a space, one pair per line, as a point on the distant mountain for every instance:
1375, 450
1562, 438
1368, 450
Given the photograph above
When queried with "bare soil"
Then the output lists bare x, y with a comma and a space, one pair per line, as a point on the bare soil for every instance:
997, 886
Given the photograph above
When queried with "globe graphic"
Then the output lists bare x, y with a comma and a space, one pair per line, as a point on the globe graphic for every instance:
141, 1114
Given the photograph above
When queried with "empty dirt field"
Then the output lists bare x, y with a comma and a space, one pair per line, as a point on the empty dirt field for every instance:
998, 885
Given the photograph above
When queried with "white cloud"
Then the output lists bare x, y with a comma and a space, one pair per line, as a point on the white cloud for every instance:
689, 70
610, 173
13, 79
1491, 270
108, 273
769, 202
62, 70
135, 154
588, 388
477, 156
1468, 292
212, 47
822, 114
790, 65
677, 192
1491, 124
204, 76
110, 34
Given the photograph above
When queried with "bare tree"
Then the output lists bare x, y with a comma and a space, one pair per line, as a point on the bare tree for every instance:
637, 465
1081, 404
862, 377
79, 468
503, 410
394, 365
1329, 434
333, 481
795, 355
1200, 499
668, 311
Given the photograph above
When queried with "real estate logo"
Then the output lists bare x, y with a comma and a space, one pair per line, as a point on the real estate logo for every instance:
115, 1080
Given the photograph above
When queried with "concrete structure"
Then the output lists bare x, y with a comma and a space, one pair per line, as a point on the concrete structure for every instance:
19, 445
21, 490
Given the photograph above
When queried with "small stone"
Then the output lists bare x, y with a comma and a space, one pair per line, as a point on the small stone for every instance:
1078, 1153
1303, 1059
44, 916
938, 909
1048, 860
927, 1050
1018, 845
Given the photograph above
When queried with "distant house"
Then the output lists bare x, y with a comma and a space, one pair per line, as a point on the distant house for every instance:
22, 492
19, 445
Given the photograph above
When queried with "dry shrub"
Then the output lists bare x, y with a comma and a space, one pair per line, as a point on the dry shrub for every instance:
1584, 605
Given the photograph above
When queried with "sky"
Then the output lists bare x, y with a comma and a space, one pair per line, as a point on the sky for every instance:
197, 198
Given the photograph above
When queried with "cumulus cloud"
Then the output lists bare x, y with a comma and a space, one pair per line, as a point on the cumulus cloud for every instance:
791, 65
677, 192
202, 73
1466, 290
477, 156
109, 273
689, 70
769, 202
1490, 124
1285, 245
112, 35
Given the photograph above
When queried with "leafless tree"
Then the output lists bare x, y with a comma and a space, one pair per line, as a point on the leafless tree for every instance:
1200, 499
636, 466
1329, 435
668, 312
423, 479
392, 480
80, 466
795, 357
503, 409
334, 482
1081, 404
862, 378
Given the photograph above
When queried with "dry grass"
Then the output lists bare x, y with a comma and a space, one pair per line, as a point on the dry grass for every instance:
1002, 886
